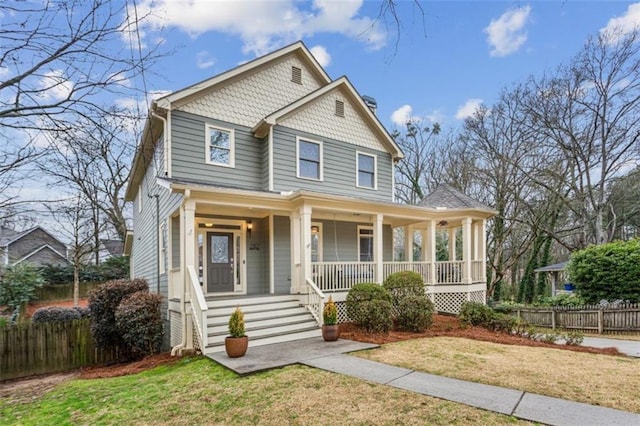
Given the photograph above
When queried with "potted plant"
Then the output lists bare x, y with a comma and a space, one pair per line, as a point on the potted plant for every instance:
330, 329
237, 342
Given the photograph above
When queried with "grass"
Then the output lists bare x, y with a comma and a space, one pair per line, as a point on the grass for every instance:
594, 379
198, 391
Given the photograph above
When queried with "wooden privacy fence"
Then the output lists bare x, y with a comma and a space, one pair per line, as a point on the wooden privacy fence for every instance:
26, 350
601, 319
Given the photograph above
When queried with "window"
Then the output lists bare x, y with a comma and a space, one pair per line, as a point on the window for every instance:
219, 148
309, 159
366, 171
365, 243
316, 242
162, 241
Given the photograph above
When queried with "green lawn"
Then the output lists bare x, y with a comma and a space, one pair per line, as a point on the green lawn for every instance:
198, 391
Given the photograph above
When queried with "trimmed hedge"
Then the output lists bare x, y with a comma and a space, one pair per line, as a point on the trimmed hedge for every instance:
103, 303
416, 313
358, 296
403, 284
607, 271
58, 314
473, 313
375, 316
139, 322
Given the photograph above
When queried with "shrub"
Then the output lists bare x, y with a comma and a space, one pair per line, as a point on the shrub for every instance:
139, 322
3, 322
330, 313
359, 295
236, 323
507, 307
416, 313
573, 338
103, 303
18, 284
562, 300
403, 284
83, 312
607, 271
376, 316
473, 313
55, 314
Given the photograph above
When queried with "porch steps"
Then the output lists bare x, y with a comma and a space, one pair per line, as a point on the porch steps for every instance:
269, 319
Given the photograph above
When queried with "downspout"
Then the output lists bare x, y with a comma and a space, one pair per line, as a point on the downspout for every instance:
183, 314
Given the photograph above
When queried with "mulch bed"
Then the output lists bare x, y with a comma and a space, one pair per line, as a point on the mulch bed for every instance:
445, 325
127, 368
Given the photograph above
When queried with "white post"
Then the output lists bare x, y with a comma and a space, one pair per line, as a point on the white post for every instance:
431, 250
294, 220
305, 260
272, 277
188, 229
378, 248
483, 248
466, 250
452, 244
476, 240
408, 243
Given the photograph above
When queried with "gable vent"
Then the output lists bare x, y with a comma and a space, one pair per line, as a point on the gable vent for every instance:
339, 108
296, 75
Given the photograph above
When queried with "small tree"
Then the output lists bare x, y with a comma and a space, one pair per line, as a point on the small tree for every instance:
608, 271
18, 284
139, 322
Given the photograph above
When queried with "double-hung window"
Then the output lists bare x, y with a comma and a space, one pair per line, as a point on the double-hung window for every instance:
220, 146
366, 165
309, 159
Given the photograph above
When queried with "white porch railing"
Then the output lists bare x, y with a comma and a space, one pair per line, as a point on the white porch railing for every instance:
476, 271
198, 306
449, 272
341, 276
422, 268
315, 299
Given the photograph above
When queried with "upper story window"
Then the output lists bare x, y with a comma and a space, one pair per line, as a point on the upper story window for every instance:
366, 165
309, 159
220, 146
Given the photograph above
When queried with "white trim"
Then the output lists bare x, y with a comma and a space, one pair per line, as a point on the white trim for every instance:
320, 239
272, 272
40, 249
372, 242
375, 170
207, 146
320, 162
167, 148
162, 249
270, 148
140, 196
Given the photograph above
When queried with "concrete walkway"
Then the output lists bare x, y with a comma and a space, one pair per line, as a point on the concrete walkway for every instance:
627, 347
331, 356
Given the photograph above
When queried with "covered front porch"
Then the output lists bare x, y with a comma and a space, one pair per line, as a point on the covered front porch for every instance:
240, 246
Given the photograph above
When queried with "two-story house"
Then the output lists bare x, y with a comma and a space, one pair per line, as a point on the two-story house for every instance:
269, 187
35, 246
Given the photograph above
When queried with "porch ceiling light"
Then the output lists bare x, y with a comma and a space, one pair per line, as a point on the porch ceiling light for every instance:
315, 229
249, 228
443, 223
208, 225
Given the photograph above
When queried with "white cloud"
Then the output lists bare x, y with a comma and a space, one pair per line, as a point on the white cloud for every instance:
468, 108
204, 60
403, 115
321, 55
506, 34
621, 25
435, 116
55, 86
266, 25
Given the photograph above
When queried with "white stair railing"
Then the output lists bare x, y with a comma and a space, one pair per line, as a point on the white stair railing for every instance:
315, 300
198, 306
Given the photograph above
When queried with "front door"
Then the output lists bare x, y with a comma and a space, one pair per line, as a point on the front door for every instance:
220, 262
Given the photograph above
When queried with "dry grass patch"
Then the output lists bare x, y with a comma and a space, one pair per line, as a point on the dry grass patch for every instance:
198, 391
605, 380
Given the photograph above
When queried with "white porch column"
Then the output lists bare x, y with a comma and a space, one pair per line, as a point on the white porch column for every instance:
452, 244
305, 241
431, 250
294, 220
188, 235
476, 240
466, 250
378, 248
482, 248
408, 243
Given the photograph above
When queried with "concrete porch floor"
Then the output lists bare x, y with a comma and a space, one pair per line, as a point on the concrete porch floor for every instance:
277, 355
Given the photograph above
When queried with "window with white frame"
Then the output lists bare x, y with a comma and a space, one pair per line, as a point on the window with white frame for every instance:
162, 240
316, 242
220, 146
365, 243
366, 171
309, 159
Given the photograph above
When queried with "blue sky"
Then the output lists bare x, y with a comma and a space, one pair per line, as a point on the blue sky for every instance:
446, 61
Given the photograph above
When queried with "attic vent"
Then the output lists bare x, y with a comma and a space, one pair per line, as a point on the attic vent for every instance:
296, 75
339, 108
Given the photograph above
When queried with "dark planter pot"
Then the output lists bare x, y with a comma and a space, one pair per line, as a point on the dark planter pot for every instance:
236, 346
330, 333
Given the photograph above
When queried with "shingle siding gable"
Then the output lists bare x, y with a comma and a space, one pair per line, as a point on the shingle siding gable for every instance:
250, 98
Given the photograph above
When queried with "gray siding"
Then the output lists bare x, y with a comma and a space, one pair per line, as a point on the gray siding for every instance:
32, 241
265, 163
345, 248
339, 167
175, 242
282, 254
188, 153
257, 257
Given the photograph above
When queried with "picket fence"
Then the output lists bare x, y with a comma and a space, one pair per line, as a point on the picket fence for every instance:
623, 318
32, 349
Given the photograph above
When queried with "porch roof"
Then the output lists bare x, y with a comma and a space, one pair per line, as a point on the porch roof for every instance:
447, 197
395, 214
556, 267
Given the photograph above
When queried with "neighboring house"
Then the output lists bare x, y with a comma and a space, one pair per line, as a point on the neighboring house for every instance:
35, 246
109, 249
270, 187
